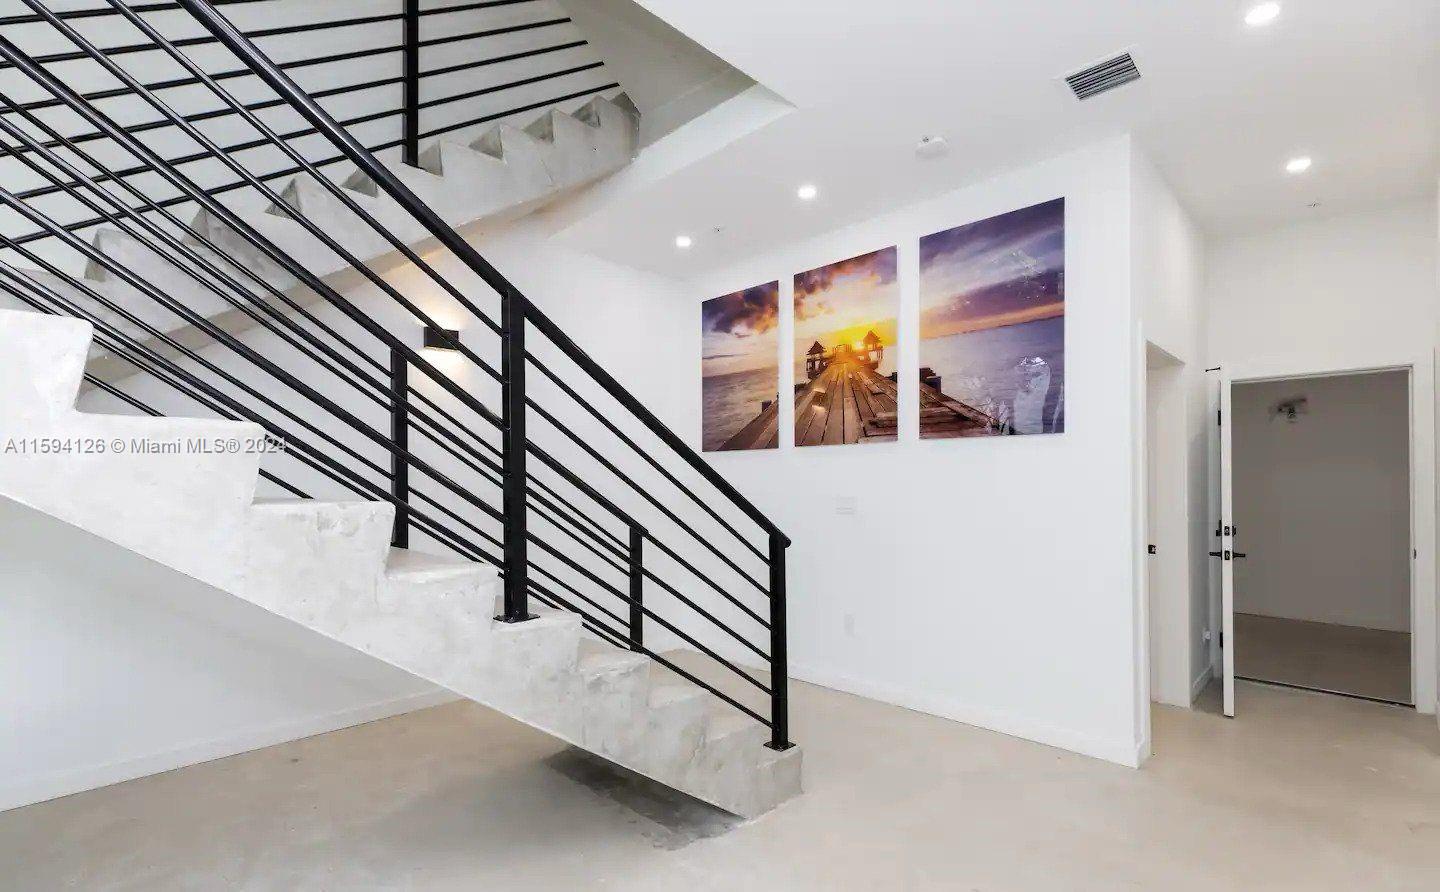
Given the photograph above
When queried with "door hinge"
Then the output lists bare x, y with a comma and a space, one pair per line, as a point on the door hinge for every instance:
1222, 640
1217, 418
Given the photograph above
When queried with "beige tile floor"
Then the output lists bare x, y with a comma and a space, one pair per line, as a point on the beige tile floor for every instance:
1367, 662
1300, 791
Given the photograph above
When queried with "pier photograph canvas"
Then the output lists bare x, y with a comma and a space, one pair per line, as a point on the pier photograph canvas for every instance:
740, 370
992, 326
845, 336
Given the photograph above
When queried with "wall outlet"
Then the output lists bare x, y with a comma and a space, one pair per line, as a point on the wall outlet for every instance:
846, 505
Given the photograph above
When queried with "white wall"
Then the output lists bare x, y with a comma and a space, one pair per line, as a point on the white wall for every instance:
112, 667
1342, 293
1324, 501
1167, 260
991, 581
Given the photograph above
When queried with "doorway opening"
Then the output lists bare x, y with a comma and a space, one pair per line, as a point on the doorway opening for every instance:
1322, 534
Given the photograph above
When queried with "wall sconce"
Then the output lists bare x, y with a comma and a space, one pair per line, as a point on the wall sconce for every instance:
442, 338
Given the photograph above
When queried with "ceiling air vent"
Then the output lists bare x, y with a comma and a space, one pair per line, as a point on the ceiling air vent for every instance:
1114, 72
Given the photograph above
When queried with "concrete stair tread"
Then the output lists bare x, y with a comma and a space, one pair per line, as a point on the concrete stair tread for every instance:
665, 691
408, 565
597, 657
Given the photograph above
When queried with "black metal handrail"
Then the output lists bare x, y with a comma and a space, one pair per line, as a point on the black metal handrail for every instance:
361, 409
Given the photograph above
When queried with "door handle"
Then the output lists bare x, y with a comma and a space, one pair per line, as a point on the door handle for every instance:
1215, 554
1239, 554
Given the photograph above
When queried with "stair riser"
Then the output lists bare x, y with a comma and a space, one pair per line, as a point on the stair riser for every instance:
614, 713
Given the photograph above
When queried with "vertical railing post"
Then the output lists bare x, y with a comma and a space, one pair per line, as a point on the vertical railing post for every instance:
410, 103
637, 588
400, 436
779, 659
512, 374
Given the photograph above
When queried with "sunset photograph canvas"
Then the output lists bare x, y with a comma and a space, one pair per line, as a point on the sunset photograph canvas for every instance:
992, 326
740, 369
845, 337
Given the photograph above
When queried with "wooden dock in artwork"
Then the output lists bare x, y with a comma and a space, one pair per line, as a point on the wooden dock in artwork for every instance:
849, 402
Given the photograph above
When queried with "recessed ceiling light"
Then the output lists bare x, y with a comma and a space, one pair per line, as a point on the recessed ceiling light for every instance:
1298, 165
1262, 14
683, 241
807, 192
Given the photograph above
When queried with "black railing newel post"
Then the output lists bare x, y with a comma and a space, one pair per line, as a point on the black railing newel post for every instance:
400, 436
637, 588
512, 373
779, 660
410, 106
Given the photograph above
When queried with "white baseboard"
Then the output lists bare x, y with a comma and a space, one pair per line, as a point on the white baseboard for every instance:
29, 791
1127, 752
1197, 687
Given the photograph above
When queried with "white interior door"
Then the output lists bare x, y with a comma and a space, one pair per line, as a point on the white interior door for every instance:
1227, 548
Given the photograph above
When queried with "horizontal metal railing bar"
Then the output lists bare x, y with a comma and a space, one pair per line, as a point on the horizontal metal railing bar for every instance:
588, 600
490, 32
347, 56
485, 119
574, 480
202, 40
173, 83
469, 7
496, 60
216, 113
635, 447
192, 157
203, 156
101, 11
573, 516
625, 597
645, 493
546, 510
340, 195
498, 88
599, 531
211, 191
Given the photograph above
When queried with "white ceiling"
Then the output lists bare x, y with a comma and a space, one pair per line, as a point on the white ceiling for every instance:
1355, 85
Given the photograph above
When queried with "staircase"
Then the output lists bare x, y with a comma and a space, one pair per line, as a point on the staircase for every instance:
540, 559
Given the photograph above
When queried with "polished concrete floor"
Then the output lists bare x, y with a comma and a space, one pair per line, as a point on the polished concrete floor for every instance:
1300, 791
1366, 662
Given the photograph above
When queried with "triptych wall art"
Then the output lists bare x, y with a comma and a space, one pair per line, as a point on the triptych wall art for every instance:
991, 342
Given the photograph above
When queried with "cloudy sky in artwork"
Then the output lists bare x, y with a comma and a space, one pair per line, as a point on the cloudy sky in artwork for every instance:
999, 271
739, 330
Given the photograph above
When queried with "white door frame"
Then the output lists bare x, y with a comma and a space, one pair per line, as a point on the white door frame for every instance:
1423, 602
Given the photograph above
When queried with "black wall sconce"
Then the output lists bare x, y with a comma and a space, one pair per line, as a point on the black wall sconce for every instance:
441, 338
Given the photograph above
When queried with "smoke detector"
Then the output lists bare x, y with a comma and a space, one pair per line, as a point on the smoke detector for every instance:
931, 147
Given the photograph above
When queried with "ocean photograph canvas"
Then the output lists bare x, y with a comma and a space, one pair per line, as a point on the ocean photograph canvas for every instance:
740, 369
992, 326
845, 337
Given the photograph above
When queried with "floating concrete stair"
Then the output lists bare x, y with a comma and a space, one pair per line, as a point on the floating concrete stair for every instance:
328, 566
